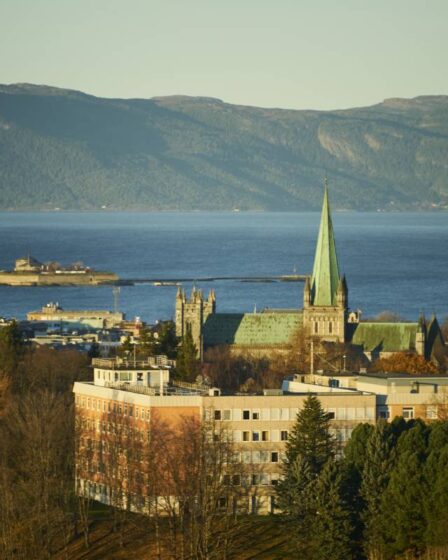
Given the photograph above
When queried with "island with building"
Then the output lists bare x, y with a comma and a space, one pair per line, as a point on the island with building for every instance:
28, 271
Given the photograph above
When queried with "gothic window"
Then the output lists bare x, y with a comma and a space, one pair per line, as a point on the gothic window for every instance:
316, 327
330, 327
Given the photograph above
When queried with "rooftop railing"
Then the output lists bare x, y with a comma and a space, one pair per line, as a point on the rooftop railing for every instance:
129, 364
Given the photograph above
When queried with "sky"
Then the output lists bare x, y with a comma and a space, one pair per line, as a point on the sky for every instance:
298, 54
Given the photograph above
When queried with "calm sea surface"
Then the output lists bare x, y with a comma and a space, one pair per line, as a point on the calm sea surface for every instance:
393, 262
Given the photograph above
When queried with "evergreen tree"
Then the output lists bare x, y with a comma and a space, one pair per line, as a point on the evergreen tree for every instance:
332, 530
309, 448
310, 437
188, 365
375, 477
436, 509
355, 451
11, 348
404, 523
168, 339
295, 500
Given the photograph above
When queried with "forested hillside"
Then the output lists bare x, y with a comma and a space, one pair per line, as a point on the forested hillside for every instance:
65, 149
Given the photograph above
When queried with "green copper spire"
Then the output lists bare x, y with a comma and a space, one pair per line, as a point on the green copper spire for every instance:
325, 278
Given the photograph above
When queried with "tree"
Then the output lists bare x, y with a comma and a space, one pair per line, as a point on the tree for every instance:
308, 449
332, 530
403, 512
403, 362
436, 508
167, 339
310, 437
295, 501
355, 452
147, 344
195, 488
188, 365
375, 478
11, 348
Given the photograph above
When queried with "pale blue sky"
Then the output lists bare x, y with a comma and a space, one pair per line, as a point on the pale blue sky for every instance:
301, 54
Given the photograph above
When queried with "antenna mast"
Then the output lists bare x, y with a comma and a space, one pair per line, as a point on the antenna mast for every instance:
116, 291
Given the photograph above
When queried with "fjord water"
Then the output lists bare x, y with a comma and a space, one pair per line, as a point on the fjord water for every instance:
393, 262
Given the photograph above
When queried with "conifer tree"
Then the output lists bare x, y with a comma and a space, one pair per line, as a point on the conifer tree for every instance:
167, 339
188, 366
309, 448
404, 523
310, 438
295, 500
375, 478
332, 530
436, 473
356, 449
11, 348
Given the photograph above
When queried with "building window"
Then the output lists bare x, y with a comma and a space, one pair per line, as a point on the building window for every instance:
246, 436
316, 327
246, 457
255, 415
264, 436
256, 457
383, 412
431, 412
217, 415
275, 435
331, 413
274, 457
330, 327
360, 413
284, 414
246, 414
275, 414
408, 412
255, 436
227, 415
284, 435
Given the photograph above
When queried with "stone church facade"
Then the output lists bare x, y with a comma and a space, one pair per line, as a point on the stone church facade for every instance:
325, 316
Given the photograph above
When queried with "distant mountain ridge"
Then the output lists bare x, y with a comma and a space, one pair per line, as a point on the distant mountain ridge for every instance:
69, 150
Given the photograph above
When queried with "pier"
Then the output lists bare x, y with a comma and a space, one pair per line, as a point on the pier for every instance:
178, 281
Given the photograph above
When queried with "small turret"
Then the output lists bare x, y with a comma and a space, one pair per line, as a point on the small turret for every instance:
342, 293
307, 293
420, 336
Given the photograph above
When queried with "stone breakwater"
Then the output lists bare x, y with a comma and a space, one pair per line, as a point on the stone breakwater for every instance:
60, 279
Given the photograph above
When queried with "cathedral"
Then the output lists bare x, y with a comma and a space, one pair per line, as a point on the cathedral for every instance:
325, 316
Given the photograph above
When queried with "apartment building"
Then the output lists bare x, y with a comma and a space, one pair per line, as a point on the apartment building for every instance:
423, 396
120, 411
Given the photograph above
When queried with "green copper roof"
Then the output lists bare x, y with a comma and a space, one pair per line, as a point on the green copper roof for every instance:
251, 328
386, 337
325, 278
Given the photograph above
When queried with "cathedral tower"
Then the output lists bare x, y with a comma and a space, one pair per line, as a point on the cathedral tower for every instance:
325, 295
193, 312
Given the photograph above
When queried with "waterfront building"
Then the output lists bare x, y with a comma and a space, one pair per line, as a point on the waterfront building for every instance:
94, 319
